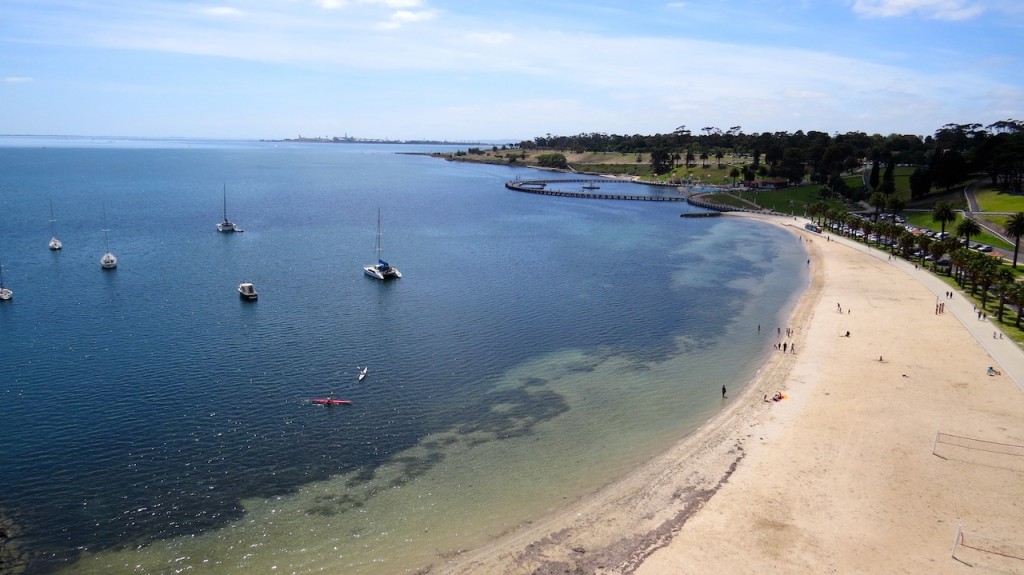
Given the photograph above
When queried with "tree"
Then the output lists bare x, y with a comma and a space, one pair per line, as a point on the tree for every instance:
943, 213
877, 201
967, 228
552, 161
660, 160
873, 178
895, 206
1016, 297
906, 241
920, 183
1004, 281
889, 178
937, 250
1015, 229
734, 173
948, 168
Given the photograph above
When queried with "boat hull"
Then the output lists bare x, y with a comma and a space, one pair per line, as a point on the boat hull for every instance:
381, 273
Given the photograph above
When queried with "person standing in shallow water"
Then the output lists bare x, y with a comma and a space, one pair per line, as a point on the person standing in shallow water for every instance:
723, 392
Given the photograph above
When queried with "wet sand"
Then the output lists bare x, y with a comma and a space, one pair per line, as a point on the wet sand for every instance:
845, 474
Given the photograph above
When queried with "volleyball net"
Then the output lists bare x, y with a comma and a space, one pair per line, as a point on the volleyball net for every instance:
977, 550
979, 451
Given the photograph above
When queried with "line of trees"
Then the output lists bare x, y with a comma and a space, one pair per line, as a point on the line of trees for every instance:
941, 160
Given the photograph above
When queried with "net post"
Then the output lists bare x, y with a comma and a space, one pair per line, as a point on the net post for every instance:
935, 444
956, 539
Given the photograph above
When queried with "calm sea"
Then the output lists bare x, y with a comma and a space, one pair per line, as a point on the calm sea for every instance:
536, 349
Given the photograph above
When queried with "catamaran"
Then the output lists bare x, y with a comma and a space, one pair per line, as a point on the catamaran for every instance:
54, 242
227, 226
108, 261
381, 270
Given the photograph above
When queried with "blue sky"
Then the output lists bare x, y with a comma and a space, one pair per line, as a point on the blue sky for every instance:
509, 69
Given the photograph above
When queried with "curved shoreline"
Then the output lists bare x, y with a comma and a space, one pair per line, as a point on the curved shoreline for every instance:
616, 529
840, 477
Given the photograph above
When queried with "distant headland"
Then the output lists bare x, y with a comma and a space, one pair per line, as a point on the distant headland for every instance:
353, 140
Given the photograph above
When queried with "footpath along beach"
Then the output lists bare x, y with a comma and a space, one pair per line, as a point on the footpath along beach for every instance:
893, 452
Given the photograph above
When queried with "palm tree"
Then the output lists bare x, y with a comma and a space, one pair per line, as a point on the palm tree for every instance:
854, 223
877, 201
907, 241
1004, 282
958, 260
868, 228
1016, 297
937, 250
987, 270
943, 213
1015, 228
924, 243
895, 206
967, 228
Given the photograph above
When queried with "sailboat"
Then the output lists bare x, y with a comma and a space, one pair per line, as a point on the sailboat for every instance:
108, 261
227, 226
381, 270
5, 294
54, 242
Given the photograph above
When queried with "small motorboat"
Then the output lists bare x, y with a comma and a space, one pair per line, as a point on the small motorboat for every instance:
362, 373
6, 294
247, 291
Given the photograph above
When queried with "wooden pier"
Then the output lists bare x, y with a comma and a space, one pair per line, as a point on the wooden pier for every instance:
540, 187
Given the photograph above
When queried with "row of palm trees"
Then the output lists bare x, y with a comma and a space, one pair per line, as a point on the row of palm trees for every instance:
977, 270
943, 213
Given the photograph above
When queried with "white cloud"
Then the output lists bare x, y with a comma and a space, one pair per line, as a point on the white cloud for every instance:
402, 17
18, 80
222, 11
391, 4
937, 9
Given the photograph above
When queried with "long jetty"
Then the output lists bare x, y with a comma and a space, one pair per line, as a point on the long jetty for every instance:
540, 187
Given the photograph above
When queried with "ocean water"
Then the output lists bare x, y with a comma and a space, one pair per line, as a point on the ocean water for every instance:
536, 349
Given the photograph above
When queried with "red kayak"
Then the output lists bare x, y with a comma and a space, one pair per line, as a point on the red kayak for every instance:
328, 401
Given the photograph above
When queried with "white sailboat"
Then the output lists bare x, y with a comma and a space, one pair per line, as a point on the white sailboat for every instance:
227, 226
381, 270
54, 242
5, 294
108, 261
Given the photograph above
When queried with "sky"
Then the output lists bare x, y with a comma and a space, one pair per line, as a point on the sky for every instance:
505, 70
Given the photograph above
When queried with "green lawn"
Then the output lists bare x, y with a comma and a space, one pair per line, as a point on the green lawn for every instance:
790, 200
993, 200
924, 220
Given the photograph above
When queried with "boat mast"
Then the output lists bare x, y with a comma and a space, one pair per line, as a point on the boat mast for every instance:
378, 235
106, 240
225, 202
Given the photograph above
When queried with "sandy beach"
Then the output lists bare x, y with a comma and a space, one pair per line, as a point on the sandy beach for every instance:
890, 442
